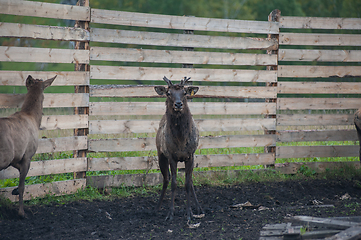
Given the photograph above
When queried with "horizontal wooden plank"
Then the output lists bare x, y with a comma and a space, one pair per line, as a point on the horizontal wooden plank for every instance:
134, 163
18, 78
125, 180
197, 108
320, 23
179, 40
204, 91
175, 74
51, 145
39, 168
339, 224
190, 57
47, 10
317, 151
314, 119
51, 100
316, 135
17, 30
148, 144
319, 55
320, 39
293, 167
318, 103
350, 233
318, 71
208, 125
52, 122
319, 87
44, 55
41, 190
181, 22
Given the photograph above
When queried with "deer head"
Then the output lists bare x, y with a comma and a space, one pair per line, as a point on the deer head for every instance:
176, 93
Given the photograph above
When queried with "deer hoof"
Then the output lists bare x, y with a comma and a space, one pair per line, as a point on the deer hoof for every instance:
169, 217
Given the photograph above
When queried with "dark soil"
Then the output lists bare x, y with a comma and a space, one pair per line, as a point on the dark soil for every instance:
135, 218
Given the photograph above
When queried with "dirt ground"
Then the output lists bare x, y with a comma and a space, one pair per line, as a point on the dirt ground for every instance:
135, 218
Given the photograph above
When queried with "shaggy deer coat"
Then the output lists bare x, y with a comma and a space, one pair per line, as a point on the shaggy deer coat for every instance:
177, 140
19, 134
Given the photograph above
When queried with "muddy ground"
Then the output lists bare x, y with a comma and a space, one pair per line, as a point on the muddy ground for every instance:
135, 218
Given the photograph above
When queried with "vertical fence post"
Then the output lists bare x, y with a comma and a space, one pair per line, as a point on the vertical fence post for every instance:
274, 16
81, 88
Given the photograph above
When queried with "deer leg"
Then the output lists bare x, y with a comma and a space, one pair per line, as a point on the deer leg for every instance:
164, 168
173, 169
190, 189
23, 168
357, 122
188, 186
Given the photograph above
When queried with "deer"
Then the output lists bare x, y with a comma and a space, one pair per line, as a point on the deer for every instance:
357, 122
19, 134
176, 141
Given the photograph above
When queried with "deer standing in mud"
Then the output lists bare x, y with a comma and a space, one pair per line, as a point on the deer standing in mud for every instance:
19, 134
177, 140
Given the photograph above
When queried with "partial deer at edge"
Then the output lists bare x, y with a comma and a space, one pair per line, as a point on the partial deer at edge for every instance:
19, 134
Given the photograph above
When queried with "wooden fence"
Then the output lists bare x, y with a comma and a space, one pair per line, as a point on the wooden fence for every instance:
247, 109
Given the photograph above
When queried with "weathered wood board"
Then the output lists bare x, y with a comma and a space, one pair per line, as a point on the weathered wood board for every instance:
319, 167
179, 40
58, 166
320, 39
148, 144
17, 30
51, 145
47, 10
318, 103
52, 122
44, 55
151, 162
176, 74
189, 57
181, 22
317, 151
51, 100
320, 23
204, 91
204, 125
319, 55
18, 78
316, 135
319, 87
314, 119
318, 71
41, 190
197, 108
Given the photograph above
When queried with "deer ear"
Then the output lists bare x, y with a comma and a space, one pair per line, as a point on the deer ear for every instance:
191, 90
29, 81
161, 90
48, 82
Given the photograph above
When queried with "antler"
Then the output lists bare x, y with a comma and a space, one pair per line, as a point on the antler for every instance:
184, 81
167, 81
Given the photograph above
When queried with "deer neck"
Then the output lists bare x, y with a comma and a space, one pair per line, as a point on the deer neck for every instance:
33, 105
180, 124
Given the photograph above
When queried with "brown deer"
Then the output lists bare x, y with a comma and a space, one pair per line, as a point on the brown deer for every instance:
19, 134
177, 140
357, 121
